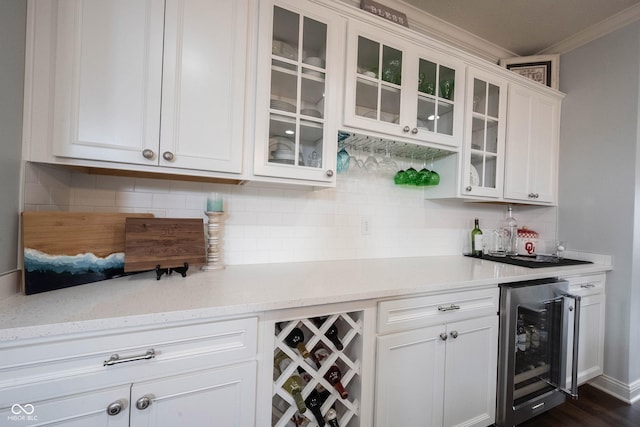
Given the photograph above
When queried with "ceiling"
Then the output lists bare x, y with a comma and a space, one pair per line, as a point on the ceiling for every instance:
524, 27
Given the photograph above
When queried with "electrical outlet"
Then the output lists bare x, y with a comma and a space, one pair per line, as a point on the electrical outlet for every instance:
365, 225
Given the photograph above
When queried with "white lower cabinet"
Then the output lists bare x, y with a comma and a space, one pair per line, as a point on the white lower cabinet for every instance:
223, 396
194, 374
443, 374
591, 289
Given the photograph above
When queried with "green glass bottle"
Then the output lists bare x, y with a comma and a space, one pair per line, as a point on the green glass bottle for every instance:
294, 386
476, 240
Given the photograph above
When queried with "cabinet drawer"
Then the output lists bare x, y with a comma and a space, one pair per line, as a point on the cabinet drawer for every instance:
587, 285
141, 352
411, 313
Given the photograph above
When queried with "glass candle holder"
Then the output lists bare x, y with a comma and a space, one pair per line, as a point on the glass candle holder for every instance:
214, 202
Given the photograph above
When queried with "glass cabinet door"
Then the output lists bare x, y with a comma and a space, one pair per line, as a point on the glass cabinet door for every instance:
436, 97
379, 77
299, 57
298, 77
485, 137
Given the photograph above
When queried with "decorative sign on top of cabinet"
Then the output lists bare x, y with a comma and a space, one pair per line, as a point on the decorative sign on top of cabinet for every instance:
399, 89
299, 60
141, 83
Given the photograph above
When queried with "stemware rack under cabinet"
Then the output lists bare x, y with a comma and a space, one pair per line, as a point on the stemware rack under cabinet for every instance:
349, 325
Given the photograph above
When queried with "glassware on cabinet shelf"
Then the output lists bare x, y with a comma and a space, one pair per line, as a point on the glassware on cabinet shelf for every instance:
298, 86
378, 81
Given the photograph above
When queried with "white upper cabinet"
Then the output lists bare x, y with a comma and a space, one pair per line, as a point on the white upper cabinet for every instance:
143, 82
400, 89
108, 74
203, 85
483, 153
300, 57
531, 163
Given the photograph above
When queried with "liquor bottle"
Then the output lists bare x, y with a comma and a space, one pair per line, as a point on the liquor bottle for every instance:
332, 332
295, 339
332, 418
293, 385
313, 402
476, 240
510, 226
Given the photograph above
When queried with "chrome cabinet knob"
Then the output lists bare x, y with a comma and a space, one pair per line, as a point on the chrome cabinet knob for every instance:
469, 188
454, 334
148, 154
116, 407
329, 173
168, 156
414, 131
143, 403
406, 129
443, 336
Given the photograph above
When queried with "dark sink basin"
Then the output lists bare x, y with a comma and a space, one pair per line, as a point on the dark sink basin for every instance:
532, 262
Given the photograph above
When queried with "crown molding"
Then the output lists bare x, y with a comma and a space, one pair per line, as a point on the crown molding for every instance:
602, 28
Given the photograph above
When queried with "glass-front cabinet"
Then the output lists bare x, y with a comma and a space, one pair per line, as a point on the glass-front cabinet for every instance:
483, 154
401, 89
299, 58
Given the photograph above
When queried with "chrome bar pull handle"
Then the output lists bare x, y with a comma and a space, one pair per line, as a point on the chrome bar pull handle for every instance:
449, 308
115, 358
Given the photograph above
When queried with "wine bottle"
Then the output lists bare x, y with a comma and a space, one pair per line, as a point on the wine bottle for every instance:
476, 240
293, 385
332, 332
510, 225
313, 402
333, 375
281, 361
295, 339
332, 418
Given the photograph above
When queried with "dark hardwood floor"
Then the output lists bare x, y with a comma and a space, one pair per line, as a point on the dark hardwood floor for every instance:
593, 408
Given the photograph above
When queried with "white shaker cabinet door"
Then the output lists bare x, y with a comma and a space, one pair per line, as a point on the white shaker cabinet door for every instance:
410, 378
531, 166
101, 408
215, 397
471, 372
107, 79
203, 85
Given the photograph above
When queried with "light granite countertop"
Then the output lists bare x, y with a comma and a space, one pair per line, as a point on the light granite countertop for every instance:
140, 299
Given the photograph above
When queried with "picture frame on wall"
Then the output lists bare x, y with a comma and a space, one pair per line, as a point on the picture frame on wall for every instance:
544, 69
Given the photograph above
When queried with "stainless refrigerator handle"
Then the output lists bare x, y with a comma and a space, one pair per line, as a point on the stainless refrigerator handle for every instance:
574, 359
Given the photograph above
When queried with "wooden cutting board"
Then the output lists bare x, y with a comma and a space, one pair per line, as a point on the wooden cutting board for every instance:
63, 249
164, 242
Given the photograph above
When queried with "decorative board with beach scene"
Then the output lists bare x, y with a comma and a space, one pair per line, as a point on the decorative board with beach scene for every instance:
63, 249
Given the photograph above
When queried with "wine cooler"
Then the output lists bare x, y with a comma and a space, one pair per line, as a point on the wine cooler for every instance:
317, 371
535, 355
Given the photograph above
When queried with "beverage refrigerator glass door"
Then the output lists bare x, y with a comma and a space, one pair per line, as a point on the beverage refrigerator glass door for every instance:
536, 320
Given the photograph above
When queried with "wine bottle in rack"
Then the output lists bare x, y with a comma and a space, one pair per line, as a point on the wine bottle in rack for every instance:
281, 361
295, 339
314, 402
333, 375
332, 418
332, 332
293, 385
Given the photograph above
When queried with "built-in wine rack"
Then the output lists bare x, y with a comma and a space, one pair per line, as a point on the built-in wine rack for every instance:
285, 412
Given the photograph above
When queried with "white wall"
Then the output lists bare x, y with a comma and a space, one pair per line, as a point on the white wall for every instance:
599, 180
265, 224
12, 45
